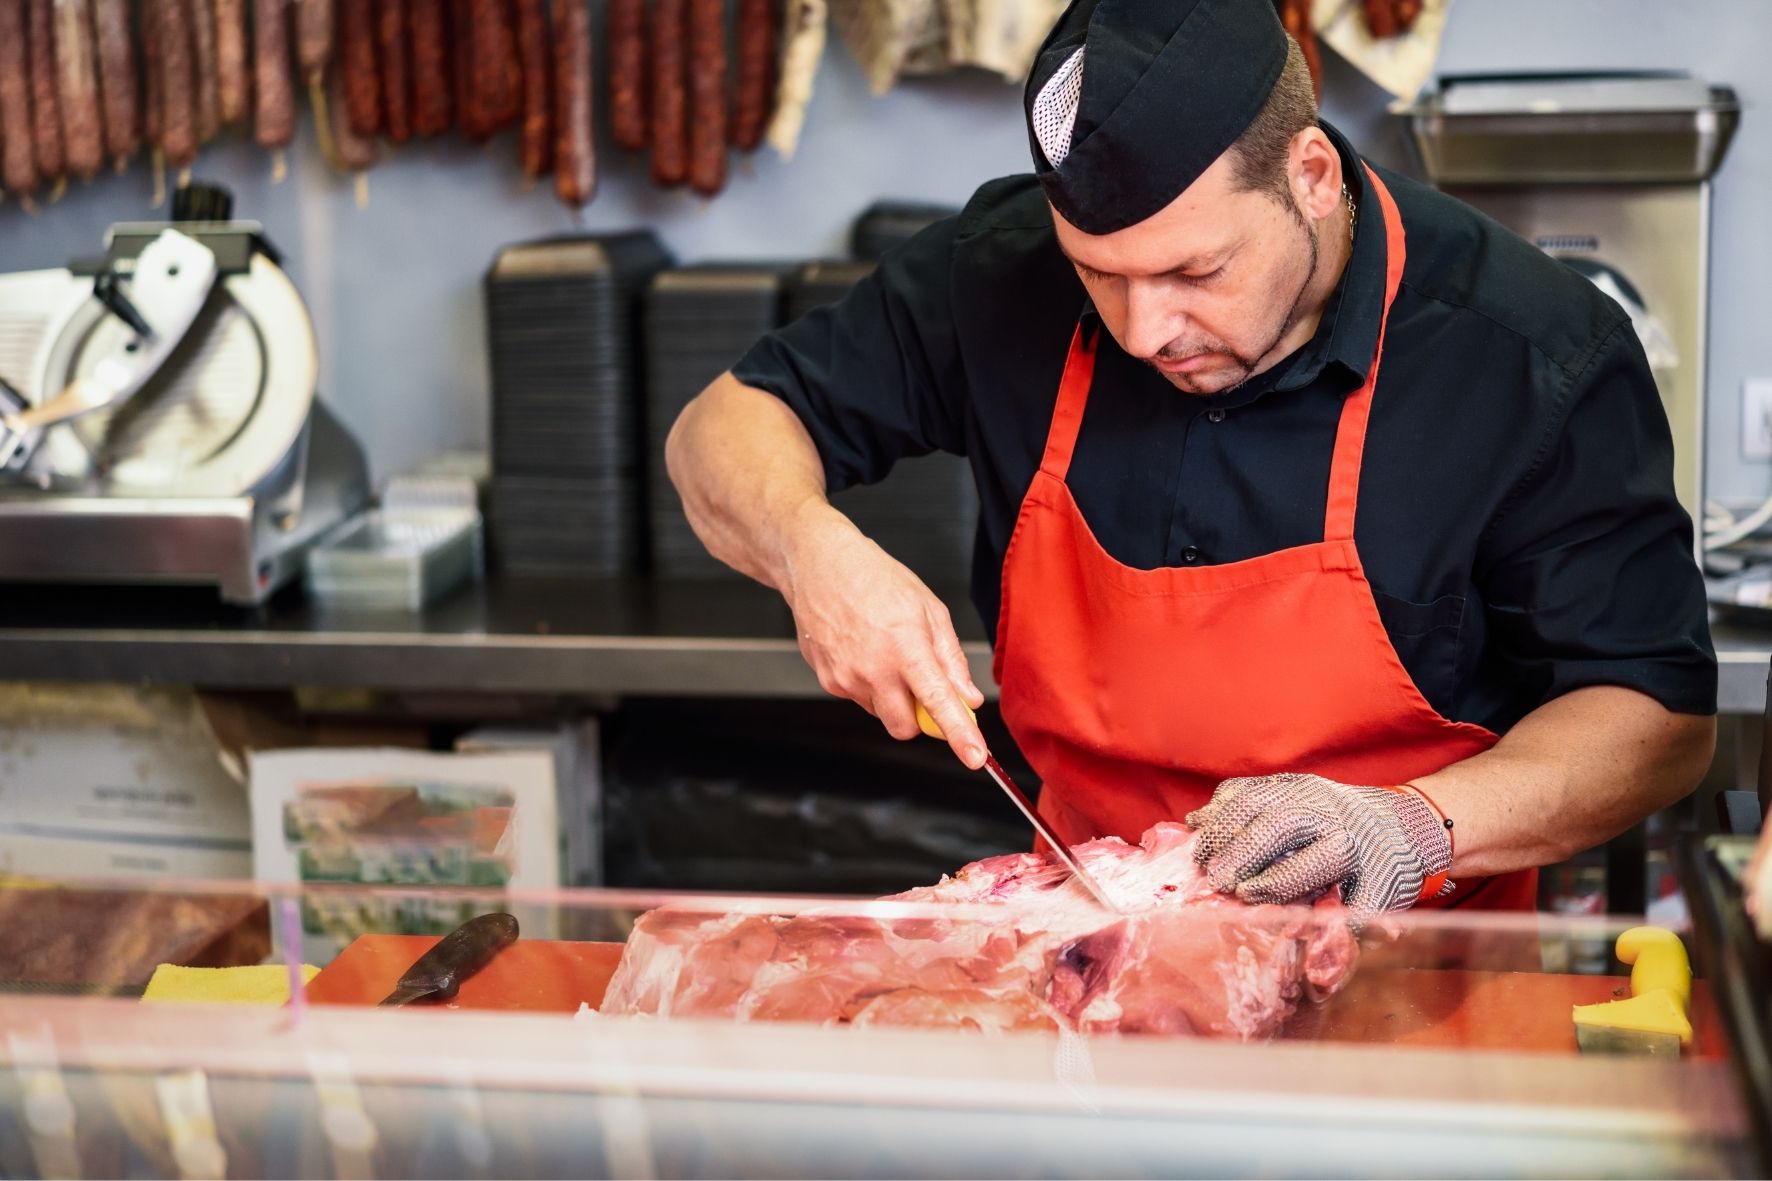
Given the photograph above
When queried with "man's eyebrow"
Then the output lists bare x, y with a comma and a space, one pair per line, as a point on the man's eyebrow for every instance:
1211, 260
1190, 263
1080, 265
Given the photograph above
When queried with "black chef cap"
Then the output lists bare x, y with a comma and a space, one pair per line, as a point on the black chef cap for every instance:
1166, 87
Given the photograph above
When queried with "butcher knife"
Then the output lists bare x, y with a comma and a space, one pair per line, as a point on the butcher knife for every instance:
1653, 1021
438, 974
932, 728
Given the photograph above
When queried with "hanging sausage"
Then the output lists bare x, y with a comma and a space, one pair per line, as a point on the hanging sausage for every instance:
1390, 18
709, 120
118, 85
759, 34
393, 52
668, 67
77, 86
206, 101
360, 77
153, 101
536, 51
46, 114
177, 82
233, 82
626, 37
497, 77
1295, 15
432, 100
315, 21
575, 164
18, 160
273, 112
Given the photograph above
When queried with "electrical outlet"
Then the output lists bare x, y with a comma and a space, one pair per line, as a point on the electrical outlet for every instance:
1756, 418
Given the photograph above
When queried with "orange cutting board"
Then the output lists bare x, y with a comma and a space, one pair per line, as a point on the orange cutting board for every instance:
1443, 1007
1479, 1010
539, 975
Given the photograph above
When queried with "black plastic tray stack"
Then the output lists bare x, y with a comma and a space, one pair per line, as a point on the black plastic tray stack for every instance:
886, 225
925, 512
699, 321
566, 402
824, 281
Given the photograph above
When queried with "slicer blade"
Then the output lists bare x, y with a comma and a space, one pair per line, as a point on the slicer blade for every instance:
15, 448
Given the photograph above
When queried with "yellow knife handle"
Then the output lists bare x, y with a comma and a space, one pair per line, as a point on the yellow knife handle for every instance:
930, 726
1658, 960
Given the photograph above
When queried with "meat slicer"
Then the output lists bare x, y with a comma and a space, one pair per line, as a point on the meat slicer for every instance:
158, 418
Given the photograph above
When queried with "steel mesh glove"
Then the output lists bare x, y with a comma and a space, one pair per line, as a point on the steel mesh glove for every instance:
1277, 838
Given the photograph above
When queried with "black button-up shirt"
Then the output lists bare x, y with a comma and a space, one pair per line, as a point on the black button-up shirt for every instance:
1517, 517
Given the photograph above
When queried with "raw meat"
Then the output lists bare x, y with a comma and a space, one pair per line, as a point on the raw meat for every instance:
1183, 959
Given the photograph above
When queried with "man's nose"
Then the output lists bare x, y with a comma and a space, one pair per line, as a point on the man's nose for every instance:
1154, 318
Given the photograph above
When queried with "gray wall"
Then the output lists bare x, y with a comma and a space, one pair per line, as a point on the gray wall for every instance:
1721, 41
395, 288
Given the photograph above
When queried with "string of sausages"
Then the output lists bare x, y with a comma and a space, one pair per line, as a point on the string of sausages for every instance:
1384, 19
1391, 18
83, 82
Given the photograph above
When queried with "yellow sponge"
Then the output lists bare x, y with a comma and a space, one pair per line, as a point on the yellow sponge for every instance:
261, 984
1655, 1012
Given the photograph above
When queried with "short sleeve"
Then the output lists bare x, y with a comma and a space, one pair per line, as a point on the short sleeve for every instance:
877, 376
1587, 570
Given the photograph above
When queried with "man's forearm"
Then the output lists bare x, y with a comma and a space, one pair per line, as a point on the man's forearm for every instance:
753, 488
1573, 773
748, 473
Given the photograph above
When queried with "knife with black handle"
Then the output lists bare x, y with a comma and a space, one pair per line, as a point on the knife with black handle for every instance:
439, 972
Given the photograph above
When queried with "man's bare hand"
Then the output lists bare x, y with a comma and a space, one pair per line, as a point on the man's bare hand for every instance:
875, 634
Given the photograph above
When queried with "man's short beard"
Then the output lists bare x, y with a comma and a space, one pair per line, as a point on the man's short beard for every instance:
1293, 315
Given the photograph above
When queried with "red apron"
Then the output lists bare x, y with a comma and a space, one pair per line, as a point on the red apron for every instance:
1134, 693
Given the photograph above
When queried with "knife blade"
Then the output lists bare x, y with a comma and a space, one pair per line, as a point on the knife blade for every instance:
1059, 849
437, 975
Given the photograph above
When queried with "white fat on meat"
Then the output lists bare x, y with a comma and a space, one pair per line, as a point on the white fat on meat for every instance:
1179, 959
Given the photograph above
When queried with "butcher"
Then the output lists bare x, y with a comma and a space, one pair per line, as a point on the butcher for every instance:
1317, 510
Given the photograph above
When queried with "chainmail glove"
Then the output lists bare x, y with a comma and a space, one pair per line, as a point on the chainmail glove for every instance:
1278, 838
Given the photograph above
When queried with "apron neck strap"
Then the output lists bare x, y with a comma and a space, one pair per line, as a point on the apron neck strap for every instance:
1073, 396
1350, 432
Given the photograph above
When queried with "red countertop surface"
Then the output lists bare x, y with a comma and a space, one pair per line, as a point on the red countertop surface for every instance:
1439, 1007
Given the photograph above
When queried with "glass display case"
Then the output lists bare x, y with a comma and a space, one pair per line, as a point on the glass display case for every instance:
605, 1033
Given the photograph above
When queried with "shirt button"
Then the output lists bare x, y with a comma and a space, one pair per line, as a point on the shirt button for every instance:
1190, 555
1215, 415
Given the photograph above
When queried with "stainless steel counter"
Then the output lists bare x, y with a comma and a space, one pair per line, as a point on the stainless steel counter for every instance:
510, 634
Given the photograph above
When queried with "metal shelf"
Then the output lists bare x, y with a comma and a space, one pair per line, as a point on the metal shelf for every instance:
558, 635
624, 636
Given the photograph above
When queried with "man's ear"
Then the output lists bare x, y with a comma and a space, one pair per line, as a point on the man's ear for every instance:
1314, 172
